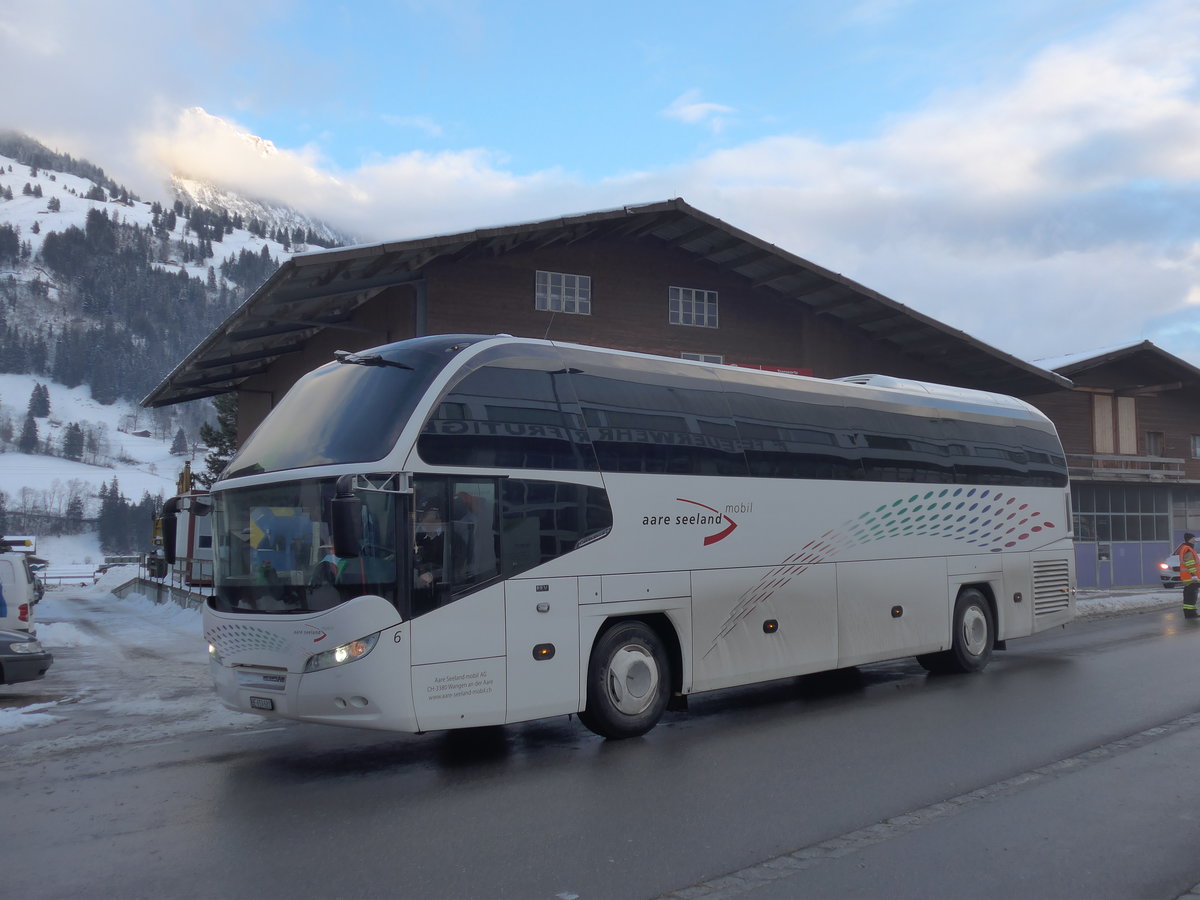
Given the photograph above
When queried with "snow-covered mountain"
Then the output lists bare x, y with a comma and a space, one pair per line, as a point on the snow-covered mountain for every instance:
273, 216
101, 294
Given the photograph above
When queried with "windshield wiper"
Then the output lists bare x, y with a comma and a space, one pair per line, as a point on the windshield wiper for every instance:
373, 359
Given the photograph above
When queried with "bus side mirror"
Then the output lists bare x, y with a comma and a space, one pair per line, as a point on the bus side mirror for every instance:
345, 519
169, 529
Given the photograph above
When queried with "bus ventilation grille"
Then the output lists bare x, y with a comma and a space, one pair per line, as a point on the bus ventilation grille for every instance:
1051, 586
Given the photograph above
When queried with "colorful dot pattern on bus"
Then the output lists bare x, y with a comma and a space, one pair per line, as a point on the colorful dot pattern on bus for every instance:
236, 637
983, 518
988, 519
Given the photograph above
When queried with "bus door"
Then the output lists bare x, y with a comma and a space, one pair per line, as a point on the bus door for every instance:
457, 620
542, 623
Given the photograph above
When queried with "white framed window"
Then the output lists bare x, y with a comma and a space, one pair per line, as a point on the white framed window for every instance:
561, 292
1155, 443
717, 358
692, 306
1196, 446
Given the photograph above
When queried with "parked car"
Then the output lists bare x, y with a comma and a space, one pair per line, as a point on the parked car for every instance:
1168, 571
20, 590
22, 657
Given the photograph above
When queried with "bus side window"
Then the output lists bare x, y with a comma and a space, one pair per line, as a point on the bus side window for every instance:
473, 520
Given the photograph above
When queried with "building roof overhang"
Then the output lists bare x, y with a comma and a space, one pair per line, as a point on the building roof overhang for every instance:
1137, 368
315, 292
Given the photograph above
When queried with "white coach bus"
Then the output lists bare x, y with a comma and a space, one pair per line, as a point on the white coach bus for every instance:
462, 530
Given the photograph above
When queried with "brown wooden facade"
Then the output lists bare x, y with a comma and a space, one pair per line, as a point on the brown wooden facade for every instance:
1131, 429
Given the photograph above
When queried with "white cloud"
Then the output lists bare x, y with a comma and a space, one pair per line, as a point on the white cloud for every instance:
691, 110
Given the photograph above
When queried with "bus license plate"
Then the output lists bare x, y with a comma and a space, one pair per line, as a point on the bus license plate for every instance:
262, 703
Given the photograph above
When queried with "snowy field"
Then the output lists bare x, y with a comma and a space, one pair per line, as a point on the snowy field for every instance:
145, 665
140, 464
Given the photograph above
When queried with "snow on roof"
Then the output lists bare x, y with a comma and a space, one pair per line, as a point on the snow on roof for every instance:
1054, 363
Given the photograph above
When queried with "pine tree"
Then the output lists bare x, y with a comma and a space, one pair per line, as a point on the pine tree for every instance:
109, 523
39, 401
28, 442
74, 516
72, 445
220, 440
179, 446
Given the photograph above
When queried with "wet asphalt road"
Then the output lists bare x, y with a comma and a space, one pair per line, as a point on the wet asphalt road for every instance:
1067, 769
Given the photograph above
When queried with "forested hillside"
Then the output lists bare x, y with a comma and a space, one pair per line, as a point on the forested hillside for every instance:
101, 288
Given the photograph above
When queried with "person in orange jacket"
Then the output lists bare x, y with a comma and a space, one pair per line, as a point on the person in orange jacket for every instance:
1189, 574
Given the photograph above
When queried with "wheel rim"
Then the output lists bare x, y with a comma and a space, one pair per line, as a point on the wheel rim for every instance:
975, 630
632, 679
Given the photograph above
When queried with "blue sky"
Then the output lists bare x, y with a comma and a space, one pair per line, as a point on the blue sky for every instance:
606, 89
1028, 172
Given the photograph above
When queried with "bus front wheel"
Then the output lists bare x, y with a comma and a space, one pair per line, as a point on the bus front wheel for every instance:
628, 681
974, 636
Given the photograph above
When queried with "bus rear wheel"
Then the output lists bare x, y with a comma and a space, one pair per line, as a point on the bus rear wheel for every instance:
973, 637
628, 681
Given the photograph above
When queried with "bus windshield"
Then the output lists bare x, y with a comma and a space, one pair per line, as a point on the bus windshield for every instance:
324, 420
274, 553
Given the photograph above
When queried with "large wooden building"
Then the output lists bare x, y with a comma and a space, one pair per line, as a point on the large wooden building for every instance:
661, 278
1130, 425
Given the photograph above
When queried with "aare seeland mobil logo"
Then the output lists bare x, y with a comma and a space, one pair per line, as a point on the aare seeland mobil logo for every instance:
713, 518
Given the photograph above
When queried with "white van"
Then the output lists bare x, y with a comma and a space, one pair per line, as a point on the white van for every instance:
19, 592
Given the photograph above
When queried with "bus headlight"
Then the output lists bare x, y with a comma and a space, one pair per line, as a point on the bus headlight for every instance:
341, 655
213, 654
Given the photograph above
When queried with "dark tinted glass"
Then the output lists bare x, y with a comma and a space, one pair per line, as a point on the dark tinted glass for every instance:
901, 447
516, 412
464, 538
788, 436
346, 412
1012, 454
570, 408
656, 416
542, 520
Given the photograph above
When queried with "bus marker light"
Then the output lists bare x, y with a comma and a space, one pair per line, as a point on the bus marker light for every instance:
1018, 597
897, 612
770, 626
543, 651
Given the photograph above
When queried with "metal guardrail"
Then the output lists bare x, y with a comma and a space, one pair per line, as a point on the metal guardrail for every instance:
1129, 468
189, 574
62, 578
